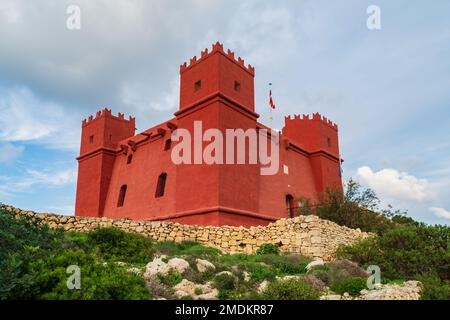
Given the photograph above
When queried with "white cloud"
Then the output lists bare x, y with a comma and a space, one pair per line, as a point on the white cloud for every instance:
9, 152
137, 96
394, 184
25, 117
55, 179
33, 178
440, 212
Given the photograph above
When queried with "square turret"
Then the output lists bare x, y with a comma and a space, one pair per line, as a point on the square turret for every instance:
217, 72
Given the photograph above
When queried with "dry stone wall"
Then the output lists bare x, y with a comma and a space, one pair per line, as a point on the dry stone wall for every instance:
306, 235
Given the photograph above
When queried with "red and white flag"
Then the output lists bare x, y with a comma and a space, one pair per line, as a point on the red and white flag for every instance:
272, 105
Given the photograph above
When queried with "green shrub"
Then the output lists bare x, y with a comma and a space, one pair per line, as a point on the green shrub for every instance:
20, 231
290, 290
185, 248
98, 280
198, 291
434, 288
198, 277
338, 271
354, 208
171, 279
225, 281
288, 264
352, 285
406, 252
116, 244
260, 272
22, 240
314, 281
268, 248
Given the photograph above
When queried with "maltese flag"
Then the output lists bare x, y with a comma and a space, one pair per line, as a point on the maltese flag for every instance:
272, 105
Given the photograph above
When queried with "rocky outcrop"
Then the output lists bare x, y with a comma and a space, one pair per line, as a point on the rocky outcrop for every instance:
196, 291
410, 290
306, 235
159, 267
204, 265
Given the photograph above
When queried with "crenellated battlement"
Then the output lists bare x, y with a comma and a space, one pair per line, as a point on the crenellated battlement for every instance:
217, 48
105, 113
315, 117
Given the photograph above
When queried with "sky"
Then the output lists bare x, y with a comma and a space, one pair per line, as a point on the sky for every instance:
388, 89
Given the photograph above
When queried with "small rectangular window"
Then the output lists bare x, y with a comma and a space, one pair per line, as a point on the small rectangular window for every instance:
329, 142
168, 144
129, 159
121, 200
91, 139
161, 185
237, 86
198, 85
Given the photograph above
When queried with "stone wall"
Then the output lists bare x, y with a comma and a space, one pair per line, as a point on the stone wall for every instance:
306, 235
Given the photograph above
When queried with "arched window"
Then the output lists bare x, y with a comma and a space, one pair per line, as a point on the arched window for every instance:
123, 191
161, 185
290, 205
129, 159
168, 144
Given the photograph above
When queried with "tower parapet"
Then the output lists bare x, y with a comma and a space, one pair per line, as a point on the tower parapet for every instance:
105, 130
217, 72
315, 117
316, 133
106, 113
217, 47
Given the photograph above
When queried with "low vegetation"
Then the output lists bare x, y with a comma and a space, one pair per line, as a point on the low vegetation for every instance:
403, 249
34, 259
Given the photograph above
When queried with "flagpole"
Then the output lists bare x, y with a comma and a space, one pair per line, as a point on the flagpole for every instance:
270, 110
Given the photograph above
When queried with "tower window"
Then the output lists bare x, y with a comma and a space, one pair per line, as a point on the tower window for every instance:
198, 85
237, 86
161, 185
129, 159
290, 205
123, 191
329, 142
91, 138
168, 144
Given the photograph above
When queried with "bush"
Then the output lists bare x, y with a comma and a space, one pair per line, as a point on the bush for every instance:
225, 281
259, 273
18, 232
314, 281
290, 290
288, 264
98, 280
354, 208
352, 285
268, 248
22, 240
116, 244
171, 279
185, 248
434, 288
406, 252
338, 271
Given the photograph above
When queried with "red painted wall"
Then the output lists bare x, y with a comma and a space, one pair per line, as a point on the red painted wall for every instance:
217, 194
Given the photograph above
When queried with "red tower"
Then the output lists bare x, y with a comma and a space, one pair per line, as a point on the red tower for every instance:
122, 175
99, 139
